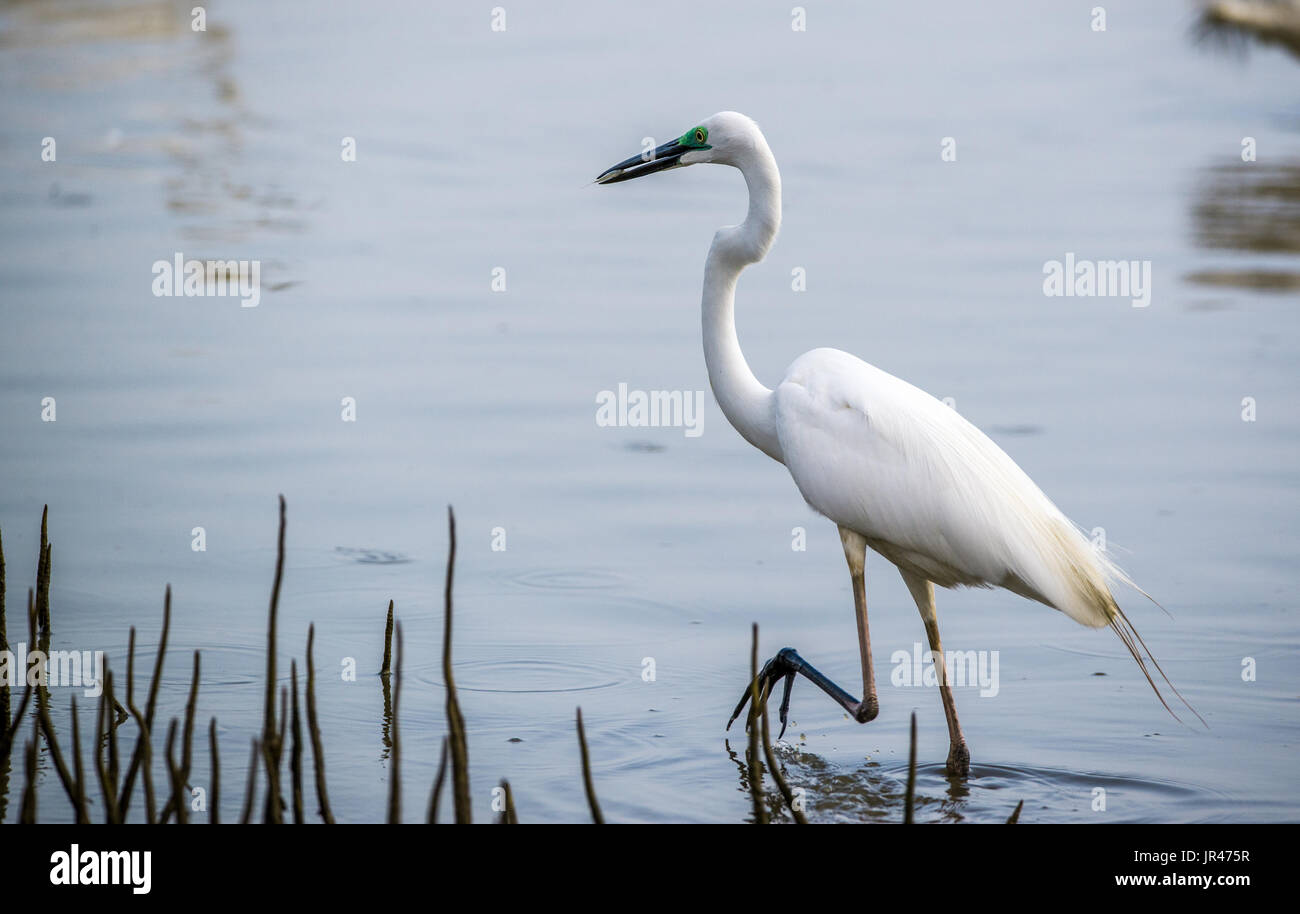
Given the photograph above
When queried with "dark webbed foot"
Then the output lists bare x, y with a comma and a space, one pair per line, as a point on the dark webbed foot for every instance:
785, 664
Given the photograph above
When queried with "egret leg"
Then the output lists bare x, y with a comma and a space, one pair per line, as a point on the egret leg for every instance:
855, 552
787, 663
923, 593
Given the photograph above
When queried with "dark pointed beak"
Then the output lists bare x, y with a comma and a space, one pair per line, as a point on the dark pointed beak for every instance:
647, 163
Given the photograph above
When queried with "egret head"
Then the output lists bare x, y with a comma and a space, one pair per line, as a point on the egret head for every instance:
724, 139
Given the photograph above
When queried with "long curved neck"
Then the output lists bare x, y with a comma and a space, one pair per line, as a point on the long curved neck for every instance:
745, 402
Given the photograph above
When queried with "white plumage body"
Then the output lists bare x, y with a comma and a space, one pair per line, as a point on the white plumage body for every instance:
928, 490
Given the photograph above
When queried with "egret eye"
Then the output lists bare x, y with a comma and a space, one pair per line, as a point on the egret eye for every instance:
696, 138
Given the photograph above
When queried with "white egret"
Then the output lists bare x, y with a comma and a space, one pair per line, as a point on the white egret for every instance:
893, 467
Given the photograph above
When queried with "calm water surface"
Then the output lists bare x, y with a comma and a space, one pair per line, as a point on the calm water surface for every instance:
474, 151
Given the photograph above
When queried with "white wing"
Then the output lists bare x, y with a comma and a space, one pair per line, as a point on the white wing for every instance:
929, 490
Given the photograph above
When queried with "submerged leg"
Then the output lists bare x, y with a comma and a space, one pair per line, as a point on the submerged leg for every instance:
787, 662
923, 593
